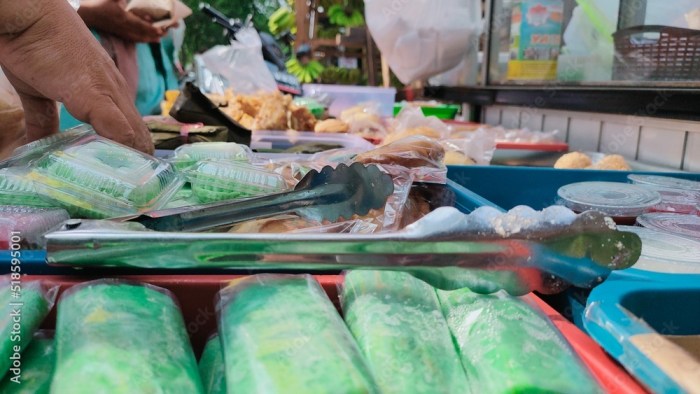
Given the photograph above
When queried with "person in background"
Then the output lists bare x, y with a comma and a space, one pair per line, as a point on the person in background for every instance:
142, 52
49, 55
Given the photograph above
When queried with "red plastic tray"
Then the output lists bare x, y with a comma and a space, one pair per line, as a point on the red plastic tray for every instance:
196, 297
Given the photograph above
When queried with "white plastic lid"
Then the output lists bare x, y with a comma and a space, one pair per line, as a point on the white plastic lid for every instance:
610, 198
666, 253
666, 181
683, 225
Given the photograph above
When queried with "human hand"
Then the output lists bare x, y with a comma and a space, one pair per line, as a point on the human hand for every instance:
110, 16
49, 55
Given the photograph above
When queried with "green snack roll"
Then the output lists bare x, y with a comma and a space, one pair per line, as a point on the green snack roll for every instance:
508, 347
397, 322
37, 368
24, 307
135, 331
281, 334
211, 367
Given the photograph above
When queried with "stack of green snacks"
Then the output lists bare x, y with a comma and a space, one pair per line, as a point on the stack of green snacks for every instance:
211, 367
24, 305
214, 180
16, 189
37, 368
281, 334
397, 322
508, 347
119, 337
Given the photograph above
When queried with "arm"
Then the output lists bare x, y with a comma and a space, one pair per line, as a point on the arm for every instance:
49, 55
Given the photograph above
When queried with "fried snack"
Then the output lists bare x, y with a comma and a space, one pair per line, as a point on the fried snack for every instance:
611, 162
300, 118
573, 160
421, 130
415, 151
273, 112
454, 158
273, 225
331, 126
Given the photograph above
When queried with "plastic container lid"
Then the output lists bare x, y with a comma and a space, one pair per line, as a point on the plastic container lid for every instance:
666, 253
675, 200
214, 180
188, 155
666, 181
610, 198
94, 177
684, 225
33, 150
17, 189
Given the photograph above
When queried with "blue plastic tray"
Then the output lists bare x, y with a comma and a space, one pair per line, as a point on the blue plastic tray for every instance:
625, 306
508, 187
34, 261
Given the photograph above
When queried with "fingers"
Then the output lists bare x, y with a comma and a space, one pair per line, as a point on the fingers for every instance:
138, 30
40, 115
109, 122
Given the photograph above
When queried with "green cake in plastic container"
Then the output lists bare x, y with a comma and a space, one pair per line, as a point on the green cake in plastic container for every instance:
28, 302
281, 334
508, 347
399, 327
215, 180
188, 155
97, 178
211, 367
135, 331
37, 367
17, 189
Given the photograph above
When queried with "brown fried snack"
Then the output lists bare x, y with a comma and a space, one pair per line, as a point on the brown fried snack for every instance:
273, 112
273, 225
415, 151
331, 126
300, 118
573, 160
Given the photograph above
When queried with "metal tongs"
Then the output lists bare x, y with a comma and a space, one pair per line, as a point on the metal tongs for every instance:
548, 260
328, 194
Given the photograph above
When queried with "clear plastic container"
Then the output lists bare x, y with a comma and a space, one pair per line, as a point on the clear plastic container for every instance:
33, 150
214, 180
188, 155
673, 223
666, 253
619, 200
675, 200
93, 177
25, 226
17, 189
343, 97
665, 181
273, 144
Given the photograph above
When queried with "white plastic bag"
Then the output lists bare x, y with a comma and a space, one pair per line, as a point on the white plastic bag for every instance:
241, 64
422, 38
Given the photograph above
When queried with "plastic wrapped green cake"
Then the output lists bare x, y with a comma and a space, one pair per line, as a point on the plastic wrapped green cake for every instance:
188, 155
93, 177
399, 327
24, 305
17, 189
214, 180
281, 334
508, 347
211, 367
137, 333
37, 367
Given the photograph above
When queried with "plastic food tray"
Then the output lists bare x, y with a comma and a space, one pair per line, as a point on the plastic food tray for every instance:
214, 180
283, 140
97, 178
196, 297
17, 189
343, 97
188, 155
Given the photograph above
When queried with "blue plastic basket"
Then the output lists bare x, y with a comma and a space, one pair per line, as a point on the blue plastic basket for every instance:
508, 187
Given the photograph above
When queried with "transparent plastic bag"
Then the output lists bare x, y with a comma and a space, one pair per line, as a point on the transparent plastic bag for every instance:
422, 38
281, 334
275, 224
398, 324
37, 367
241, 63
364, 120
24, 306
26, 226
137, 333
476, 147
211, 367
507, 346
411, 121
